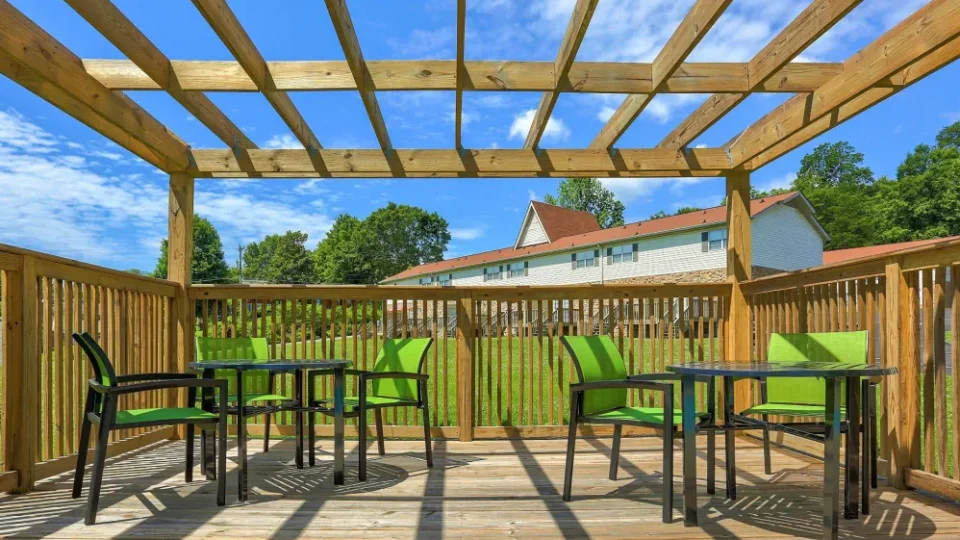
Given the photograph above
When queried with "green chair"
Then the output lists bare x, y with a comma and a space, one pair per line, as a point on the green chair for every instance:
396, 380
258, 384
806, 398
600, 397
104, 391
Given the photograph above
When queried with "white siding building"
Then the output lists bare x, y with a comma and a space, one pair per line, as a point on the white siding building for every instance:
556, 246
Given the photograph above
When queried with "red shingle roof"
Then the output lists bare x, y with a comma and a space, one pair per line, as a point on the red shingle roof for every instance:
559, 222
841, 255
639, 229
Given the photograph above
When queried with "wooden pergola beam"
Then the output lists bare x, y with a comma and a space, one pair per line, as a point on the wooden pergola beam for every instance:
812, 23
932, 26
467, 162
343, 25
576, 30
501, 174
119, 30
461, 73
224, 22
478, 76
914, 72
34, 59
692, 29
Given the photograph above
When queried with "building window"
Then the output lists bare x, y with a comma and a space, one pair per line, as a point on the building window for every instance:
713, 240
492, 273
584, 259
426, 280
445, 281
621, 254
517, 270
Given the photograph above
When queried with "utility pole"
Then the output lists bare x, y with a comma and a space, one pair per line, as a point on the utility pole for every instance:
240, 262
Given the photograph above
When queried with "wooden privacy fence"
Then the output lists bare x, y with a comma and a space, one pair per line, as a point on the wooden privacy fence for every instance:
45, 300
903, 301
496, 367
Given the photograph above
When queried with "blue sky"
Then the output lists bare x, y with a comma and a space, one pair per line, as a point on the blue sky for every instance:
66, 190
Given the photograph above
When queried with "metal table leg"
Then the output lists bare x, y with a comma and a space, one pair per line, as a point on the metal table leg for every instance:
730, 438
298, 415
208, 442
831, 460
689, 426
241, 439
338, 464
851, 487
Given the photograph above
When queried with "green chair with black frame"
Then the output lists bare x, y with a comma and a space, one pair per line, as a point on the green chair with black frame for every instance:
101, 408
396, 380
600, 397
258, 384
806, 398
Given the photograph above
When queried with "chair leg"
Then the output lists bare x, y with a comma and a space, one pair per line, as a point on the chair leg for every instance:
428, 446
767, 468
571, 446
188, 472
312, 437
865, 449
615, 451
362, 433
378, 417
668, 474
266, 434
81, 456
874, 443
96, 477
222, 464
711, 462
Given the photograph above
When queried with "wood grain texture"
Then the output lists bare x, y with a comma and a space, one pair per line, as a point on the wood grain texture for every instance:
460, 74
739, 254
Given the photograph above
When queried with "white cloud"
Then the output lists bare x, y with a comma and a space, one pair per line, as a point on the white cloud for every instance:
629, 190
283, 140
467, 233
555, 129
777, 182
532, 194
605, 113
112, 156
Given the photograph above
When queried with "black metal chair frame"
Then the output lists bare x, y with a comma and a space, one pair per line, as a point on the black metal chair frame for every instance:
658, 382
101, 409
360, 411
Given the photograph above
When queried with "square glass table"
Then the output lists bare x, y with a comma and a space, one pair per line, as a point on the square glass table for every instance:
298, 406
834, 375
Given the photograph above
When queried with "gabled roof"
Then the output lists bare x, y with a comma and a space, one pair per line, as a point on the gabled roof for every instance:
639, 229
559, 222
841, 255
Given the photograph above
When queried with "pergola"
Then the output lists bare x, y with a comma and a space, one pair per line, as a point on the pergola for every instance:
825, 95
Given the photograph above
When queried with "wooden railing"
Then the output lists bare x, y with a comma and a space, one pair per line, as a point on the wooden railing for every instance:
45, 300
902, 300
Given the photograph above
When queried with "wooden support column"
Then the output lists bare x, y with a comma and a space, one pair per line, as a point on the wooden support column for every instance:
738, 271
466, 389
901, 390
21, 378
179, 261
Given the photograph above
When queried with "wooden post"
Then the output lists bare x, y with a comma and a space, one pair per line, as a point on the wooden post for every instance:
738, 271
21, 378
179, 260
902, 390
465, 380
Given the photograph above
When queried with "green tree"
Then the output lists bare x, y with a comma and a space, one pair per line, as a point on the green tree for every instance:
841, 190
589, 195
658, 214
280, 258
759, 193
345, 255
209, 265
687, 210
402, 236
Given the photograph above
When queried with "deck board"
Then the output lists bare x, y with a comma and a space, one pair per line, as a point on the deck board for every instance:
479, 489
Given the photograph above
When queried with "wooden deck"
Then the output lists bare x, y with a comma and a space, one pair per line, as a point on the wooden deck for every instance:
480, 489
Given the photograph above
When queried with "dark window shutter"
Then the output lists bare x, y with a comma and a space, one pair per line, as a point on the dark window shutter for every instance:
526, 268
609, 255
573, 261
636, 252
484, 274
596, 257
704, 242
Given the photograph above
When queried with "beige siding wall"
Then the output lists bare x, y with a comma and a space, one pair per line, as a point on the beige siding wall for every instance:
534, 233
784, 238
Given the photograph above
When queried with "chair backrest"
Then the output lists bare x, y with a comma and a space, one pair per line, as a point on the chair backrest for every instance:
597, 359
811, 347
99, 361
403, 356
248, 348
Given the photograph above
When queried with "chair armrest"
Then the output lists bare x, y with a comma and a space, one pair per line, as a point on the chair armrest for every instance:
154, 377
314, 373
622, 383
369, 376
192, 382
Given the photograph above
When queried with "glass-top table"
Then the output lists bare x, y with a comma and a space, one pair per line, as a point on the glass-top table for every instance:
296, 405
834, 375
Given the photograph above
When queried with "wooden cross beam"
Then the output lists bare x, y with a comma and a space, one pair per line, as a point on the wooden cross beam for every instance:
343, 25
32, 58
932, 26
116, 27
812, 23
223, 21
692, 29
579, 21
